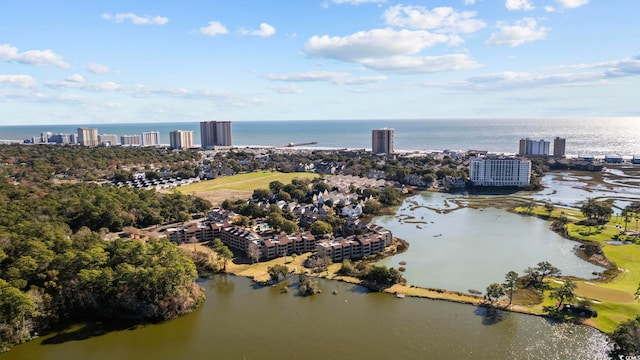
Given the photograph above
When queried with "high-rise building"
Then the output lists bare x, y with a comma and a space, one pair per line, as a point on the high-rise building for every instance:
150, 138
181, 139
494, 171
215, 133
533, 147
88, 136
108, 139
382, 141
559, 147
130, 140
62, 138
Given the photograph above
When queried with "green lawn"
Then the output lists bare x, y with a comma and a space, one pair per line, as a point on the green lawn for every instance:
244, 182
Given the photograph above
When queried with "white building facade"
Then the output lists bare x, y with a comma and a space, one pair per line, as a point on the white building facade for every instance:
500, 172
150, 138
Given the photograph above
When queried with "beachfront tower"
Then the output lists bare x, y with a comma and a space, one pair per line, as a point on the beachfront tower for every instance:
150, 138
181, 139
88, 136
382, 141
215, 133
530, 147
500, 171
559, 147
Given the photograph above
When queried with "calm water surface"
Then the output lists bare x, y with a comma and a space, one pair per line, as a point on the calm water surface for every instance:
472, 248
239, 321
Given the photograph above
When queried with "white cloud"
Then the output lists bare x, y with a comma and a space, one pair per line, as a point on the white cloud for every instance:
442, 19
570, 75
522, 31
308, 76
422, 64
99, 69
135, 19
76, 78
213, 28
519, 5
32, 57
21, 81
572, 4
266, 30
377, 43
289, 89
337, 78
469, 2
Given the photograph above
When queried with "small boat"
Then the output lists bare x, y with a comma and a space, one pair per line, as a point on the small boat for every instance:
400, 295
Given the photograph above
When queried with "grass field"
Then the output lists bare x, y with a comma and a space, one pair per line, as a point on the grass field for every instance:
239, 186
614, 300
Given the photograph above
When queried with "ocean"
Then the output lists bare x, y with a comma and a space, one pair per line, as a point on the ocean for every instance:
596, 137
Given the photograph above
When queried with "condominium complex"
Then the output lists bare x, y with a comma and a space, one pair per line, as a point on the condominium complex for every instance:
559, 147
181, 139
108, 139
130, 140
533, 147
382, 141
150, 138
88, 136
215, 133
500, 171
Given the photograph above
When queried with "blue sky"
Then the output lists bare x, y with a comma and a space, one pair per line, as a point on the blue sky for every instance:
82, 62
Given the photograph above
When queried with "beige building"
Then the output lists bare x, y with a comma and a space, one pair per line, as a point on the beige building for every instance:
150, 138
88, 136
181, 139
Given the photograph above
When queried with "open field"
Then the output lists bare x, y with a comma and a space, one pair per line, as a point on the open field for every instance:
239, 186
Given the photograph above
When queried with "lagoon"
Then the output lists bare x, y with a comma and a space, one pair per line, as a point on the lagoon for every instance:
240, 321
470, 248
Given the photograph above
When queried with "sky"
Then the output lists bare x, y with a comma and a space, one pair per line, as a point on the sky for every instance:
93, 62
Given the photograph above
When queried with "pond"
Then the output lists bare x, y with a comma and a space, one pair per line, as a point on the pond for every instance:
240, 321
470, 248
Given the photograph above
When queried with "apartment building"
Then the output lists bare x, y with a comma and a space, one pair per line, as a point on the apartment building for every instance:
215, 133
88, 136
382, 141
181, 139
150, 138
500, 171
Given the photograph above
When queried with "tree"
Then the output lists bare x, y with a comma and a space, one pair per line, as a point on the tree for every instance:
276, 271
390, 196
549, 207
307, 286
320, 227
289, 227
372, 207
596, 211
537, 274
226, 255
494, 292
626, 338
510, 284
564, 293
261, 194
253, 252
276, 186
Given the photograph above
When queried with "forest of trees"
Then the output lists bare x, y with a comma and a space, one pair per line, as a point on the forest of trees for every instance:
55, 265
